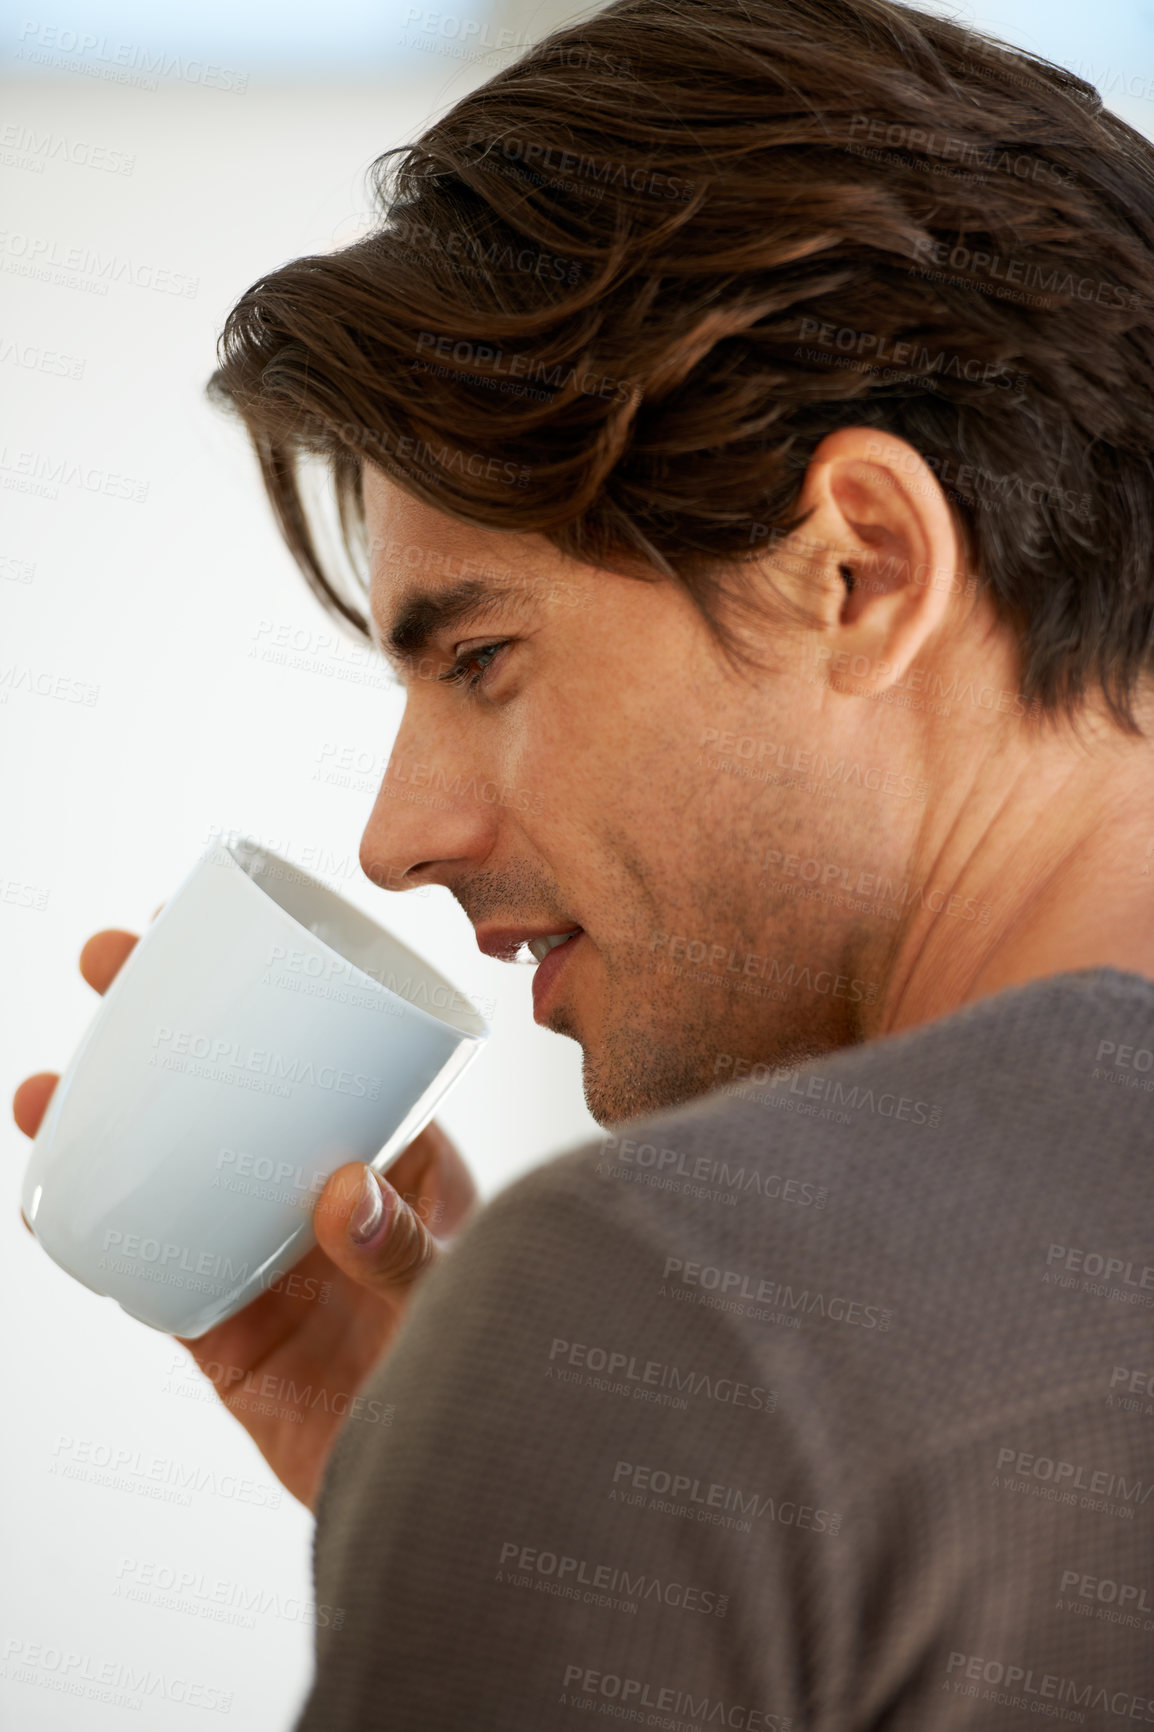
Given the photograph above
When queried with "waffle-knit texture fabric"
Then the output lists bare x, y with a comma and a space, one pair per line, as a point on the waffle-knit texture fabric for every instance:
829, 1406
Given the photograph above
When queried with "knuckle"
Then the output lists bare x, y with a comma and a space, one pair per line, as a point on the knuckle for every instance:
408, 1248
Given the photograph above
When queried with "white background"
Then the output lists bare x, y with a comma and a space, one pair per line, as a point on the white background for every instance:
165, 607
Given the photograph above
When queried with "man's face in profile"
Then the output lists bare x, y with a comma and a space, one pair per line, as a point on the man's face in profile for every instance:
608, 770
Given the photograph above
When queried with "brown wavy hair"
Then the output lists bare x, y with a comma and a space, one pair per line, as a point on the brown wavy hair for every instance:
619, 293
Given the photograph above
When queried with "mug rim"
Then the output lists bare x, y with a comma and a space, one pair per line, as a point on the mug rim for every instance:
248, 855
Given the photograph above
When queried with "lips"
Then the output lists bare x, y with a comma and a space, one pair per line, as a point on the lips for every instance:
555, 965
504, 942
551, 947
542, 946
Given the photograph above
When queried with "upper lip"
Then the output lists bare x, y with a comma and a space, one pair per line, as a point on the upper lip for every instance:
504, 942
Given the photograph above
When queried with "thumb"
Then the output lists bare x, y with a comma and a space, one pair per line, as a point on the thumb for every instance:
370, 1232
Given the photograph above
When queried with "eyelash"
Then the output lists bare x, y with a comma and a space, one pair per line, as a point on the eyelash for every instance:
458, 673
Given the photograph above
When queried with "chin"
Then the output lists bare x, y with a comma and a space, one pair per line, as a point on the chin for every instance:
613, 1096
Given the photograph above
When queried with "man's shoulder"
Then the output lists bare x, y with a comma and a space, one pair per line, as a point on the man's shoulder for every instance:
1035, 1072
885, 1219
1068, 1052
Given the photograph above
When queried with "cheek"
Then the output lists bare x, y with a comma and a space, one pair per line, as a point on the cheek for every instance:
606, 740
525, 756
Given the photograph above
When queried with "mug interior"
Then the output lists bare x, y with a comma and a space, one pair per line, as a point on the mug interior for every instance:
356, 938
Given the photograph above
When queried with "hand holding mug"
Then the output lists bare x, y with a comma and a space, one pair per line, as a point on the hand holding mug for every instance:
213, 1158
290, 1339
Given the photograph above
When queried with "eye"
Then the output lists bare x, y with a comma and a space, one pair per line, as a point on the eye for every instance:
460, 669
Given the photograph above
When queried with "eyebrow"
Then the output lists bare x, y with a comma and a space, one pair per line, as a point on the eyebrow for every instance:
424, 612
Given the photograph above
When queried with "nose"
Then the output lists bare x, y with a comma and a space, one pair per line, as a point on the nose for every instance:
431, 821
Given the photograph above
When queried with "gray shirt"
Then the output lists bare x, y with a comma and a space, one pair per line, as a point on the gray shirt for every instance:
825, 1404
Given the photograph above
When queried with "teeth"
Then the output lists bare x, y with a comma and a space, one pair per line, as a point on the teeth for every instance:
542, 946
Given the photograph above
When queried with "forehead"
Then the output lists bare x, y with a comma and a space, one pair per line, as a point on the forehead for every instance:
419, 556
405, 535
395, 519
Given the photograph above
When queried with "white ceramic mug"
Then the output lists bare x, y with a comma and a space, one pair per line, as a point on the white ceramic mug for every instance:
262, 1032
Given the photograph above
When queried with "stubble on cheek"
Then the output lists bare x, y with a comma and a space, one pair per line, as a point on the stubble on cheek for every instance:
658, 1031
657, 1038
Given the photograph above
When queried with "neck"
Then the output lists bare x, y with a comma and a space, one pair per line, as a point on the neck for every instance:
1059, 852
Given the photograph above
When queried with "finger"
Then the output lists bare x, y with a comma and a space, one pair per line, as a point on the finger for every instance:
371, 1233
105, 955
434, 1180
30, 1102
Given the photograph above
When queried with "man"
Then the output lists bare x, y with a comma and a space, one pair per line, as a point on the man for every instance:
808, 702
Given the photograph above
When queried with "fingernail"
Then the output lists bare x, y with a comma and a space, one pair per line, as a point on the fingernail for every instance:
366, 1218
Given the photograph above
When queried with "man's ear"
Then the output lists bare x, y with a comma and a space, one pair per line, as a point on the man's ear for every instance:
879, 564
